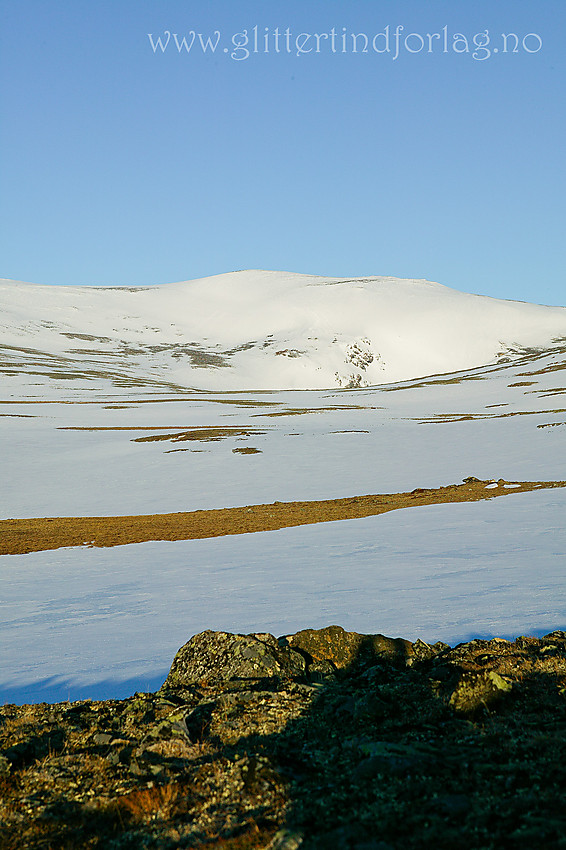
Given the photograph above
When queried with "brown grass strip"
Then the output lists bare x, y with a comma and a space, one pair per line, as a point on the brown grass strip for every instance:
18, 536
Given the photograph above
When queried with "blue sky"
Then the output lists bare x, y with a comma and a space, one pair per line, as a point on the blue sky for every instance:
125, 164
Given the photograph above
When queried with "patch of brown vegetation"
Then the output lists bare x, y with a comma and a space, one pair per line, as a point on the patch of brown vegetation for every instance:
441, 418
299, 411
554, 367
201, 434
18, 536
243, 402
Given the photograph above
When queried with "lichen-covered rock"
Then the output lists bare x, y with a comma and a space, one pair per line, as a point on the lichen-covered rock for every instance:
344, 649
213, 657
477, 690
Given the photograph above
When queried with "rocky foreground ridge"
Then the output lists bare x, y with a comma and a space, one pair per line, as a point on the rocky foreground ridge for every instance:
321, 739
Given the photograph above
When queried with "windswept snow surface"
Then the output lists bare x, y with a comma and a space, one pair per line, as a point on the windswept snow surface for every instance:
269, 330
446, 572
92, 377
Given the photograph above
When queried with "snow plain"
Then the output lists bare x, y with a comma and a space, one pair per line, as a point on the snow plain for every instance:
87, 372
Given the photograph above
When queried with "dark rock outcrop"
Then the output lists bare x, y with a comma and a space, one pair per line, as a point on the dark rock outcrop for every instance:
322, 739
344, 650
214, 657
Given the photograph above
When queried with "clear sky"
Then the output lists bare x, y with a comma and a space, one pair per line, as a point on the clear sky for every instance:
126, 161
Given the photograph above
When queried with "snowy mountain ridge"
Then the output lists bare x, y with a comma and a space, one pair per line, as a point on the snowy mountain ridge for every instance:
267, 330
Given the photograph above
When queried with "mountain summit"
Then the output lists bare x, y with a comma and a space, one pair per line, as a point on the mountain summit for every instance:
268, 330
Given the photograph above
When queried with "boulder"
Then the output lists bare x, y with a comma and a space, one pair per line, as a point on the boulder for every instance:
210, 658
345, 649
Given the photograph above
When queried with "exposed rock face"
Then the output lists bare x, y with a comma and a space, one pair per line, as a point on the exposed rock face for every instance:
322, 739
346, 649
475, 691
214, 657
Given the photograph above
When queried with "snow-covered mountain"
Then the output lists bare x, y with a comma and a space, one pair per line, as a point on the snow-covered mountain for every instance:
97, 418
264, 330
